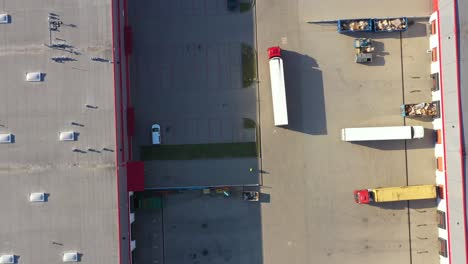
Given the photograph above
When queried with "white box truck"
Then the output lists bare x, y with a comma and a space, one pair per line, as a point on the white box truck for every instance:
382, 133
278, 91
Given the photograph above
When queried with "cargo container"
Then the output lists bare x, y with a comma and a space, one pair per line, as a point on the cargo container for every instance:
382, 133
278, 90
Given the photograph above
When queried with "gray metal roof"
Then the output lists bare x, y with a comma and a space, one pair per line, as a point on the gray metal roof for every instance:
81, 209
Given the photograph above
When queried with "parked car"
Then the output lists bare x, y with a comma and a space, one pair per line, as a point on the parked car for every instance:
156, 134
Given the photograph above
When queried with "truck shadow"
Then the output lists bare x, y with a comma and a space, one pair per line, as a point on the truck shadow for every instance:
417, 28
427, 142
379, 54
418, 205
422, 118
304, 94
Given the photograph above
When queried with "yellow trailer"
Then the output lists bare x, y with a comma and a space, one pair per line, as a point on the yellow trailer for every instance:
391, 194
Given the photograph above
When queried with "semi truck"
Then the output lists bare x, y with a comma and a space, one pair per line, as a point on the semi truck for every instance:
382, 133
421, 109
393, 194
278, 90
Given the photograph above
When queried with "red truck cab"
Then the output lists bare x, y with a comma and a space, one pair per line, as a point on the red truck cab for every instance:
362, 196
274, 52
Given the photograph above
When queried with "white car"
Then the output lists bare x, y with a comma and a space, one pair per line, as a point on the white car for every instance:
156, 134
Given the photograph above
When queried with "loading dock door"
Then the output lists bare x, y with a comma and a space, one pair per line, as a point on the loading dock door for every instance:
135, 176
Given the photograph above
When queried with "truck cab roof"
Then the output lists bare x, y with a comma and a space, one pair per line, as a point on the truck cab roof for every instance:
274, 52
361, 196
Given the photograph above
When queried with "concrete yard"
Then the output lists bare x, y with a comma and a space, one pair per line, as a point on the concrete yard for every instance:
311, 174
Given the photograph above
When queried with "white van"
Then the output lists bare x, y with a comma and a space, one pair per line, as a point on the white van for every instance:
156, 134
382, 133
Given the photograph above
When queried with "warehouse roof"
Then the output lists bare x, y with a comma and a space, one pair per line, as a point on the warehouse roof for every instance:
42, 96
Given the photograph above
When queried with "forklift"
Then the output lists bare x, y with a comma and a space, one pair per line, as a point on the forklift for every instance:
364, 49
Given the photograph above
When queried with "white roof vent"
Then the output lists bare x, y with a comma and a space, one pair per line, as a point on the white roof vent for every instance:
7, 259
34, 77
67, 136
6, 138
37, 197
70, 257
4, 18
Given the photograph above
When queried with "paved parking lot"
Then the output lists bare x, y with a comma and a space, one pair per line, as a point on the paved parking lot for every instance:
212, 229
186, 75
185, 173
187, 72
193, 227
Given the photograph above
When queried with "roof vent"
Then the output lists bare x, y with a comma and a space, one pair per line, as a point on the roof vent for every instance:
4, 19
6, 138
37, 197
34, 76
7, 259
70, 257
67, 136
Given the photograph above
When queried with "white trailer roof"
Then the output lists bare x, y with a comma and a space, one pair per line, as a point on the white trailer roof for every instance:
278, 92
376, 133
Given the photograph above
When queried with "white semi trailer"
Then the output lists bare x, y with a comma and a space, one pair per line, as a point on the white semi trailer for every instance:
382, 133
278, 91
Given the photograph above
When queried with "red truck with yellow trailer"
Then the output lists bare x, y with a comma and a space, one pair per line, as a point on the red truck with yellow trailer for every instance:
393, 194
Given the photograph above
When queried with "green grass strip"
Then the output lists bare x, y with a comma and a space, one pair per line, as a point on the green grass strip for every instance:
199, 151
244, 7
249, 65
249, 123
